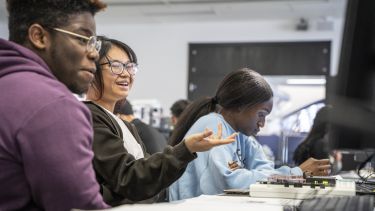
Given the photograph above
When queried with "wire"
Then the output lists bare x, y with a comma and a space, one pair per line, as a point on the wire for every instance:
362, 165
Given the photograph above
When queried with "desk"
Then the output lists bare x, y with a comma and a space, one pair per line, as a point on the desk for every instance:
216, 203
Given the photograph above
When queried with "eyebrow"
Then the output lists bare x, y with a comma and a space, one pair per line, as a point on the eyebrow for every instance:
115, 60
85, 31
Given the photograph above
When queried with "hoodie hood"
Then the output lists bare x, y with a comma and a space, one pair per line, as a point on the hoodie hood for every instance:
16, 58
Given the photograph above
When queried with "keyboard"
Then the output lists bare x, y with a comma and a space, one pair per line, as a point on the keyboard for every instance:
345, 203
365, 188
302, 191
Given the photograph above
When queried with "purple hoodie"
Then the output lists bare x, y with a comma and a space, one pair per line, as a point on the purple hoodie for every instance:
45, 138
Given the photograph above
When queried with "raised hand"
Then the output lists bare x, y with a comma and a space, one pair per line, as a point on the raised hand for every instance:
206, 140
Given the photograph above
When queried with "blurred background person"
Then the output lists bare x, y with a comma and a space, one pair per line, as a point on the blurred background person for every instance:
177, 108
316, 143
153, 140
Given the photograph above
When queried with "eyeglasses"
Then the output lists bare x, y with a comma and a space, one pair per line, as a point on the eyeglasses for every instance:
118, 68
92, 43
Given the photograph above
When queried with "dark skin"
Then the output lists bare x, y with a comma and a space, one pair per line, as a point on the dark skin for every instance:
250, 120
66, 55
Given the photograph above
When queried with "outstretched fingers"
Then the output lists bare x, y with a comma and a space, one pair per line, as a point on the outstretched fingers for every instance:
219, 130
227, 140
206, 140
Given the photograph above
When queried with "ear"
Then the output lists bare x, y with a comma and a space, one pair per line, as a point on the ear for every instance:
174, 120
39, 38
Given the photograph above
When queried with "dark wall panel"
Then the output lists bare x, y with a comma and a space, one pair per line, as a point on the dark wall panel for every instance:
209, 63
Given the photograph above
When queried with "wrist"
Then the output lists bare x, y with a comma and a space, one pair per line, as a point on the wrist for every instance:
188, 145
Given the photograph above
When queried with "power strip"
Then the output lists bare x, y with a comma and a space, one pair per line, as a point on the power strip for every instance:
342, 188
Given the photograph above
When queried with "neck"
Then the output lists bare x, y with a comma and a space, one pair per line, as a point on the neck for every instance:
229, 117
109, 106
127, 118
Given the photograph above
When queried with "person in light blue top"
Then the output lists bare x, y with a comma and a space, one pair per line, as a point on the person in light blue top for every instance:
241, 104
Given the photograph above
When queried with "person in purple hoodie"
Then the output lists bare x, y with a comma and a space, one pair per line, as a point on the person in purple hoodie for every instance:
45, 132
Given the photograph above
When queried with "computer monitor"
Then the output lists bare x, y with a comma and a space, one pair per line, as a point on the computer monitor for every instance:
352, 93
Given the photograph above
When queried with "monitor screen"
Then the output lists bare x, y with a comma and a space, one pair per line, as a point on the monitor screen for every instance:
352, 92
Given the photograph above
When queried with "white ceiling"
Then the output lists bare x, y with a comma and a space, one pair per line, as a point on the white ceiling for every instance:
166, 11
175, 11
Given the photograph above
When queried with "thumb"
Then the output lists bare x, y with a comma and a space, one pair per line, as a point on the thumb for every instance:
232, 136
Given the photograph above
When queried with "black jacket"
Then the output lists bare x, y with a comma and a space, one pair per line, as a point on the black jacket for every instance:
153, 140
124, 179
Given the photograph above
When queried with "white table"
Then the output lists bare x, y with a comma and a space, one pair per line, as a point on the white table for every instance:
214, 203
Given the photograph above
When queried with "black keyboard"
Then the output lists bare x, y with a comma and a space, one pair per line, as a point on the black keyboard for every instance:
367, 188
344, 203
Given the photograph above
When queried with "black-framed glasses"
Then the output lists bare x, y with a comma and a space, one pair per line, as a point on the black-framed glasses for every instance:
118, 67
92, 43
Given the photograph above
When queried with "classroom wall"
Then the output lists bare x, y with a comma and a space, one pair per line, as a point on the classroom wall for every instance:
4, 30
162, 49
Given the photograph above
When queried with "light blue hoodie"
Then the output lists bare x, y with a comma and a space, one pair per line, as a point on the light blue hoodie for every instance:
209, 174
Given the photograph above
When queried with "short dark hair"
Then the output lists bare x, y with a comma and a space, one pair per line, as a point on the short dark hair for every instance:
107, 44
48, 13
240, 89
123, 107
178, 107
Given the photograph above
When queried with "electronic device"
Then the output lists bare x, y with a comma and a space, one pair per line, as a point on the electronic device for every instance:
348, 203
302, 190
236, 191
352, 91
365, 188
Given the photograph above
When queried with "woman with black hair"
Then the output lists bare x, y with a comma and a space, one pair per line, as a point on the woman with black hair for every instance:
241, 104
123, 169
316, 143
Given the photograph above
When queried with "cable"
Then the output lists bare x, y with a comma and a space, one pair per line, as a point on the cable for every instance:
362, 165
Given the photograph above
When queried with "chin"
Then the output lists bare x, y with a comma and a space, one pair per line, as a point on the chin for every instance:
247, 133
78, 89
252, 133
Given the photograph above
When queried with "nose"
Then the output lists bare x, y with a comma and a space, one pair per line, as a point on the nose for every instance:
261, 123
93, 55
125, 73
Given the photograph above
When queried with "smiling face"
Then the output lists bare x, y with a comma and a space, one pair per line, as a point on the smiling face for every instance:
249, 121
68, 58
116, 87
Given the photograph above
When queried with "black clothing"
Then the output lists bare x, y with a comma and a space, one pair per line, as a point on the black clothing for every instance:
153, 140
312, 147
124, 179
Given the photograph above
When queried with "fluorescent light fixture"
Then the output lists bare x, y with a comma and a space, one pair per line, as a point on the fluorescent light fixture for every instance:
306, 81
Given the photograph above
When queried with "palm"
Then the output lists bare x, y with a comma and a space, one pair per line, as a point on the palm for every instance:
206, 140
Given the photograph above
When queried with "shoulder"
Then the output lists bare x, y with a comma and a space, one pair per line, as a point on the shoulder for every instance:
56, 104
210, 121
96, 110
100, 117
93, 107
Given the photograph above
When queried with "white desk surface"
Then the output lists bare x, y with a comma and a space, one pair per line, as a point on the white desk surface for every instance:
216, 203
